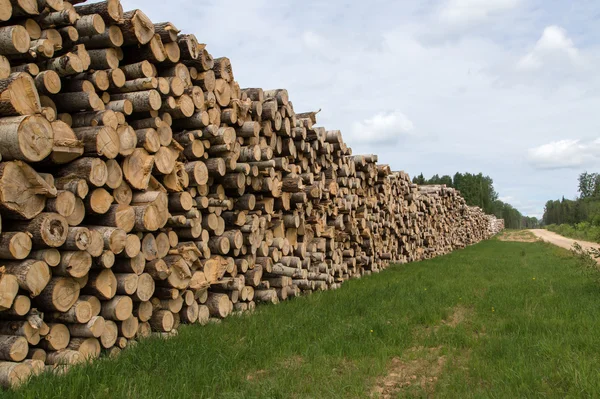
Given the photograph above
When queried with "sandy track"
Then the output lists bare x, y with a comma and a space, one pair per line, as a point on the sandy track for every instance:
561, 241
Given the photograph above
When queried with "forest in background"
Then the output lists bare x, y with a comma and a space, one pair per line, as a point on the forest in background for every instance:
478, 190
578, 218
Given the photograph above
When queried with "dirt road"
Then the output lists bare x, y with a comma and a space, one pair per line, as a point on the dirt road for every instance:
561, 241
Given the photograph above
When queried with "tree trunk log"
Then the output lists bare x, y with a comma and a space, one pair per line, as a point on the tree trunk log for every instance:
59, 295
162, 320
109, 10
47, 230
94, 328
15, 245
102, 284
118, 308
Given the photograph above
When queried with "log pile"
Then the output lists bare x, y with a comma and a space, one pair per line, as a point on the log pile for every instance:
142, 188
495, 225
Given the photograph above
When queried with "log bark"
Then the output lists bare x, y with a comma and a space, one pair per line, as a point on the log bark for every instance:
13, 374
143, 311
152, 215
137, 28
111, 11
21, 329
93, 170
114, 238
145, 288
78, 239
37, 354
94, 118
58, 18
127, 283
104, 58
89, 347
47, 82
47, 229
50, 255
99, 141
94, 328
77, 186
64, 357
118, 308
13, 348
158, 269
162, 320
118, 216
167, 31
102, 284
133, 265
109, 335
218, 305
128, 328
80, 312
32, 275
57, 339
20, 307
14, 40
74, 264
95, 302
65, 65
142, 101
90, 25
148, 139
111, 37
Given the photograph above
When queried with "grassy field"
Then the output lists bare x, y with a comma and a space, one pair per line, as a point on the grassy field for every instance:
499, 319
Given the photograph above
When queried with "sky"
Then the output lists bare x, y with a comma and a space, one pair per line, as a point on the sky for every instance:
509, 88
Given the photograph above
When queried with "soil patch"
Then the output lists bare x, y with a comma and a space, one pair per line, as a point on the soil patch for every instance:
517, 236
292, 362
459, 315
256, 374
418, 369
419, 374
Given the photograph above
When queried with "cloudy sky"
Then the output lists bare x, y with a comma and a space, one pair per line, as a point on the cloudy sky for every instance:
509, 88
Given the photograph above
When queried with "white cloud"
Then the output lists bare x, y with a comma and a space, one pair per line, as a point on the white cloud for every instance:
312, 40
565, 154
471, 11
318, 46
383, 128
554, 46
450, 70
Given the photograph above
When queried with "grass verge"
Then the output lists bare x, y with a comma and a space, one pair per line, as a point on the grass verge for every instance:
498, 319
580, 231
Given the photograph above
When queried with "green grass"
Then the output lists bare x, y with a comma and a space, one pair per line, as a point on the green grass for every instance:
531, 329
580, 231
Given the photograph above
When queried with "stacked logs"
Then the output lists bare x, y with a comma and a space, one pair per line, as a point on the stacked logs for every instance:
495, 225
142, 188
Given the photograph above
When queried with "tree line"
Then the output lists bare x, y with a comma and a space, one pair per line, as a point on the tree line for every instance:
478, 190
583, 209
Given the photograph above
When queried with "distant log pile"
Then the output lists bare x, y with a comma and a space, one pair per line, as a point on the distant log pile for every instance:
141, 188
